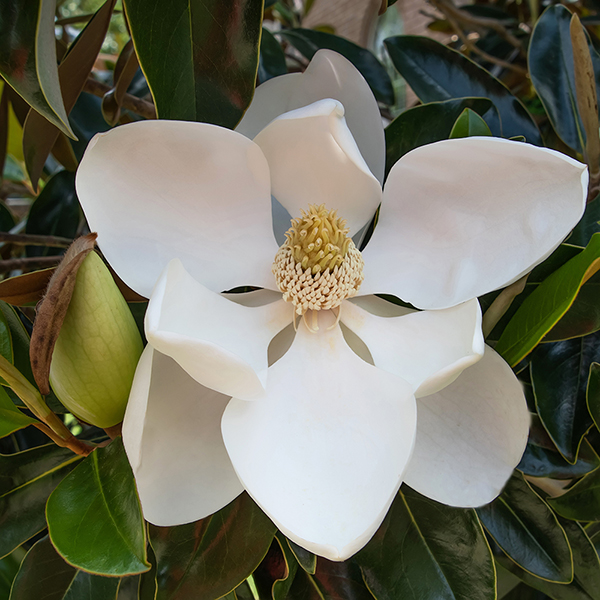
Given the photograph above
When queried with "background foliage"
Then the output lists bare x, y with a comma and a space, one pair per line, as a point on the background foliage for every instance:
72, 68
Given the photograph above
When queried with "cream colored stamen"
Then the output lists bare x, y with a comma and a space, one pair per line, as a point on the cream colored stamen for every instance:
318, 266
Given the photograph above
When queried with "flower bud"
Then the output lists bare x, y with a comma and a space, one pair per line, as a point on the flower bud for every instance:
97, 349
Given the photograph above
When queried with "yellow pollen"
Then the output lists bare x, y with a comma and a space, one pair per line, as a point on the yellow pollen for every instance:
318, 266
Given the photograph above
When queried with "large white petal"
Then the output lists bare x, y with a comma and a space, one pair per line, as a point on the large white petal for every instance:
329, 75
462, 217
314, 159
429, 348
323, 453
220, 343
156, 190
172, 437
470, 436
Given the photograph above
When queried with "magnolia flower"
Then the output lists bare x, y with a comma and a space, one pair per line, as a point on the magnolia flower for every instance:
321, 402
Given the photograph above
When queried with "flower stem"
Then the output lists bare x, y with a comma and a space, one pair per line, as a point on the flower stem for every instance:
51, 424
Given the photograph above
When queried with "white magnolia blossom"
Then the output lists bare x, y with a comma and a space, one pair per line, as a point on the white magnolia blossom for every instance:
322, 425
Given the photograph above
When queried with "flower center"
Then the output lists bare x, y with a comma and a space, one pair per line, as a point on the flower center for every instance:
318, 266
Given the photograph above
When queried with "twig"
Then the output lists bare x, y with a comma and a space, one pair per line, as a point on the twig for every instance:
470, 45
137, 105
485, 22
32, 262
35, 240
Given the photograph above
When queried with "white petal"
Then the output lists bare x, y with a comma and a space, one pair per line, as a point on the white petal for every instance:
380, 307
463, 217
172, 437
329, 75
470, 436
429, 348
313, 159
220, 343
157, 190
323, 453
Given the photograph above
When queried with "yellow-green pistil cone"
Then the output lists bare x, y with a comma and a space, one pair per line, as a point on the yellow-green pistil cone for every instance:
318, 266
97, 350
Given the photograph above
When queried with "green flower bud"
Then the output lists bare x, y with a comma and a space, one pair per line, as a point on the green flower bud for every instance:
97, 349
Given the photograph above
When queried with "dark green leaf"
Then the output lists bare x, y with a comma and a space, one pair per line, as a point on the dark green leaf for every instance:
523, 525
26, 480
586, 580
559, 374
436, 72
308, 41
9, 566
28, 56
7, 220
272, 57
582, 501
426, 124
547, 304
583, 317
44, 575
275, 574
40, 136
589, 224
307, 560
468, 124
94, 516
11, 418
552, 73
340, 581
542, 459
593, 393
200, 58
427, 550
210, 558
56, 211
19, 339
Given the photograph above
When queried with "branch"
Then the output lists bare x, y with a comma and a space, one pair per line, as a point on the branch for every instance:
35, 240
441, 5
460, 15
33, 262
133, 103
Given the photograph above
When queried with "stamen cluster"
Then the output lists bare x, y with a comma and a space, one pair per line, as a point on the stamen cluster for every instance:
318, 266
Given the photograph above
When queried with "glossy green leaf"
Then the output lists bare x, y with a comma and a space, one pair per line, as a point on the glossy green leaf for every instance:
55, 211
547, 304
551, 70
542, 459
9, 566
28, 57
523, 525
40, 136
200, 58
336, 580
593, 393
94, 516
272, 57
210, 558
582, 501
435, 72
19, 340
586, 579
468, 124
11, 418
45, 575
307, 560
583, 317
308, 41
421, 549
26, 480
559, 374
587, 226
275, 574
6, 346
426, 124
